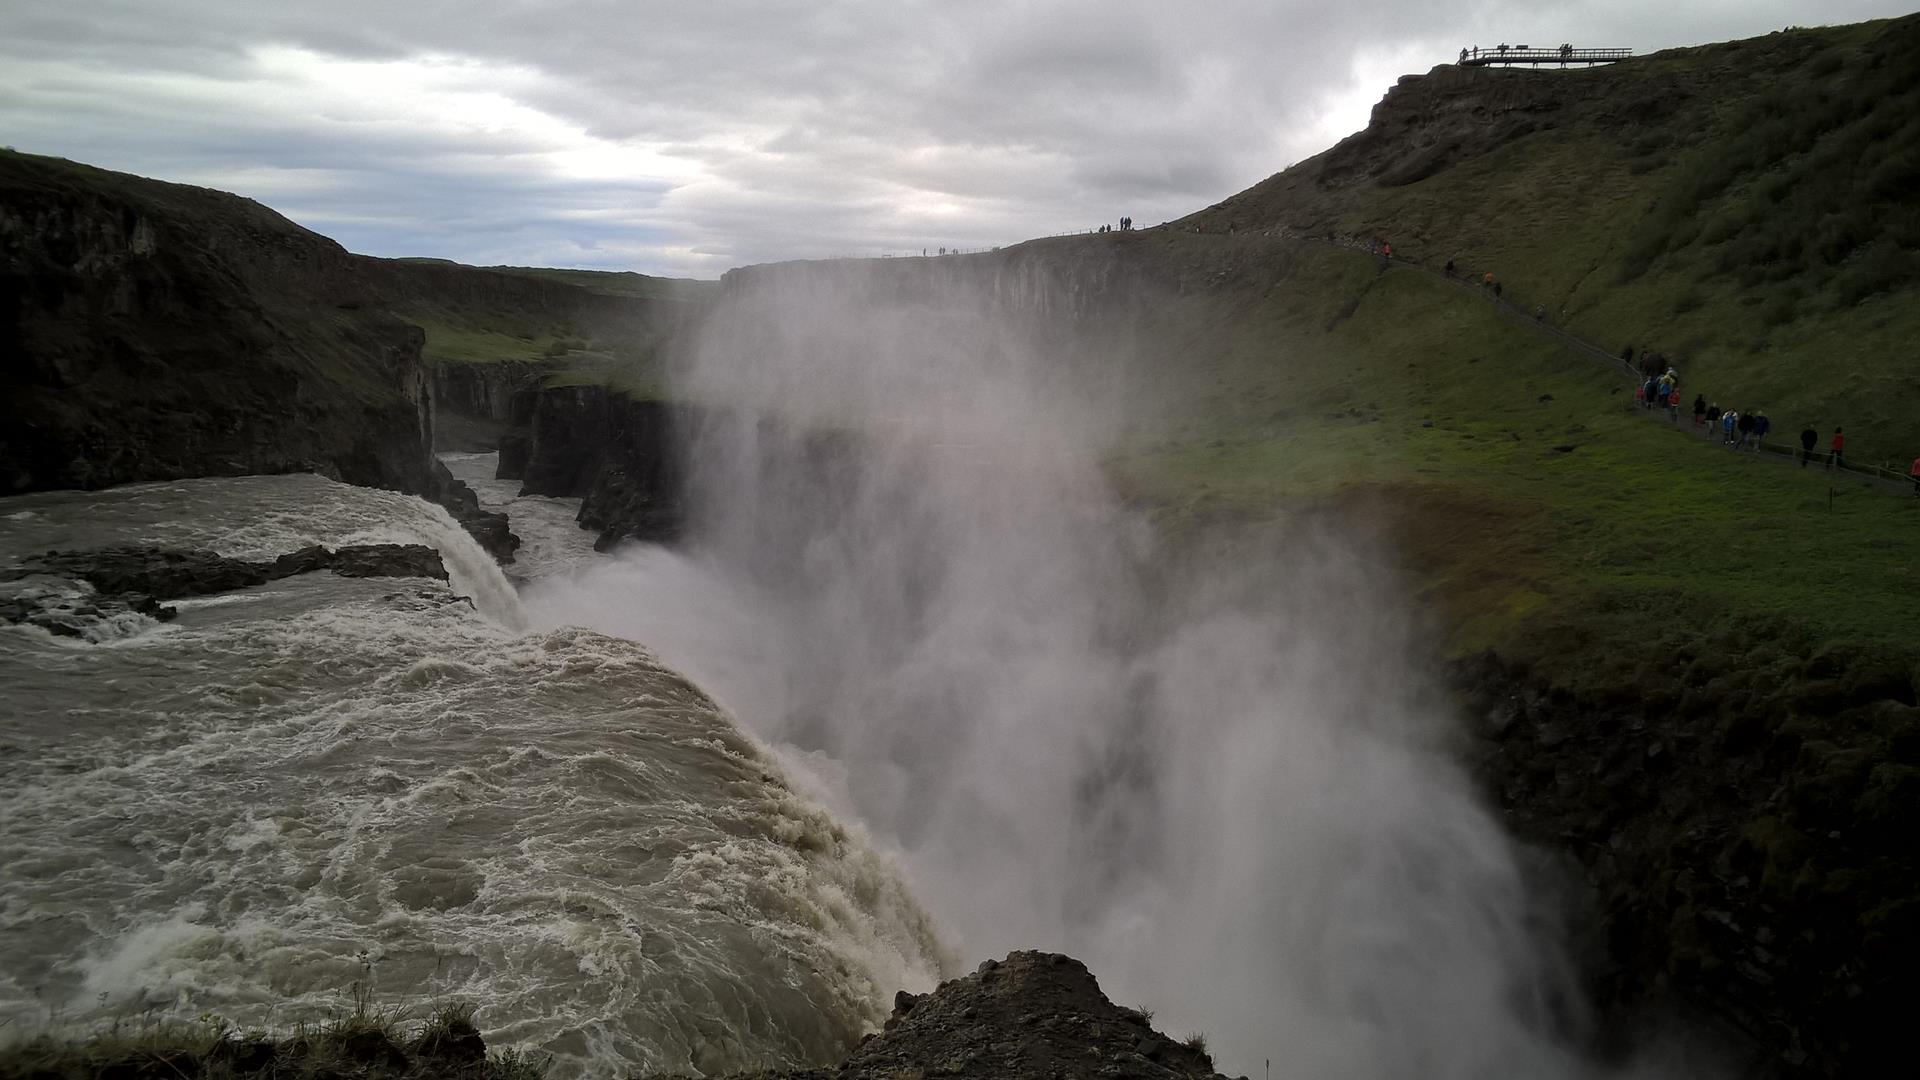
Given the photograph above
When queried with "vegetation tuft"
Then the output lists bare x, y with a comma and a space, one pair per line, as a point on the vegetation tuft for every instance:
365, 1043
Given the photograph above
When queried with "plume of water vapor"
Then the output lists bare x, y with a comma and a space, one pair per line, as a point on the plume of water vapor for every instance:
1211, 779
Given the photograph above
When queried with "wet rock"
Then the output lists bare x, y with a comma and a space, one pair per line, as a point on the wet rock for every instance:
1034, 1014
387, 560
134, 580
488, 529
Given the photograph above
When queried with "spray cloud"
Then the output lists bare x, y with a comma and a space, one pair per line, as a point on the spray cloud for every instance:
1212, 779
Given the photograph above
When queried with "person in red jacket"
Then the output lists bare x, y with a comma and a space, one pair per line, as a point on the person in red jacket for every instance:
1915, 473
1838, 446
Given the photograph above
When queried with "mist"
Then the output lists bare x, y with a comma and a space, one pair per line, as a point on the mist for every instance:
1215, 774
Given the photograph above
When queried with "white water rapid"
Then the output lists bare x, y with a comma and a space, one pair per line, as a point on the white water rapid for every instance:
324, 781
1216, 782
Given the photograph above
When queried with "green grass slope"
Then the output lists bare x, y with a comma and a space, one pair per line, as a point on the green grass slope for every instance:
1748, 209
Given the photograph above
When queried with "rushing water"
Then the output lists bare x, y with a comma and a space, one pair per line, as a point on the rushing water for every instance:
1214, 777
551, 540
1215, 780
325, 781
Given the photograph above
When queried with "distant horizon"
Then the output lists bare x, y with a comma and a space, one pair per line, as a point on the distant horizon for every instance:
685, 140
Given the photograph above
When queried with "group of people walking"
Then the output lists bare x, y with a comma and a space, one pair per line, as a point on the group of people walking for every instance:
1659, 387
1737, 428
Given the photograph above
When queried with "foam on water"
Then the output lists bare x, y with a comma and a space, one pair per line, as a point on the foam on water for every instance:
1220, 781
326, 780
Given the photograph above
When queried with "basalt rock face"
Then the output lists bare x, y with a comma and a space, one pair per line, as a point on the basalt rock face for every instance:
488, 528
1746, 839
619, 455
157, 331
475, 401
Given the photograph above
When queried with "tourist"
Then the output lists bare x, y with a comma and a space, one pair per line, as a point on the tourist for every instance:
1673, 406
1743, 429
1699, 409
1449, 267
1915, 473
1727, 421
1808, 437
1838, 446
1761, 425
1713, 420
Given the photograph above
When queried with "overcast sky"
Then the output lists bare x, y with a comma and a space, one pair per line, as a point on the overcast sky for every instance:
687, 138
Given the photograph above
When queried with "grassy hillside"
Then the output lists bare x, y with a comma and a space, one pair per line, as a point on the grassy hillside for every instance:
1748, 209
1521, 483
587, 327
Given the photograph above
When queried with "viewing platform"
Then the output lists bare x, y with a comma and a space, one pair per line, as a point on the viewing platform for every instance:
1478, 56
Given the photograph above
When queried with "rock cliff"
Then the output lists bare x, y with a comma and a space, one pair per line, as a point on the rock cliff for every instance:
159, 331
620, 455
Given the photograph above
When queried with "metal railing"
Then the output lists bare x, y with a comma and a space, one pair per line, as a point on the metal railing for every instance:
1476, 56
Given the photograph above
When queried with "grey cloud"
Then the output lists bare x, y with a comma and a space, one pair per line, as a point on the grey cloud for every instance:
813, 128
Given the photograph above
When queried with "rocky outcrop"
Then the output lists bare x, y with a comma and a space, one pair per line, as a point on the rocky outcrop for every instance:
171, 573
1034, 1014
1744, 826
488, 528
621, 456
134, 580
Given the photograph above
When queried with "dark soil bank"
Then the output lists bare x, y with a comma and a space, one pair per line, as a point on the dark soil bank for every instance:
1747, 832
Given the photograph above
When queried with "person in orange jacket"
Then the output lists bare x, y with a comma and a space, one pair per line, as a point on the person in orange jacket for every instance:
1838, 447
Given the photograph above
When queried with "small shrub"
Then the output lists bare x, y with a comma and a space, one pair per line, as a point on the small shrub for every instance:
1881, 267
1777, 311
1646, 163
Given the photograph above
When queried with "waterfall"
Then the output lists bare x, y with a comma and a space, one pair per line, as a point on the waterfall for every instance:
1218, 779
